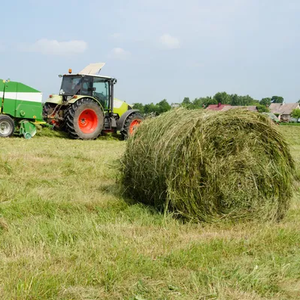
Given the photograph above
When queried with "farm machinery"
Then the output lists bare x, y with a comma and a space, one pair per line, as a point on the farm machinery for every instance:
85, 106
21, 109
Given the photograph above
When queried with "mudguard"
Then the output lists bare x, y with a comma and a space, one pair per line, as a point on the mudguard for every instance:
58, 99
121, 121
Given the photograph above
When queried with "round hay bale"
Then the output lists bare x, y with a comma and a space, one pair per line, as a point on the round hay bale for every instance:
206, 165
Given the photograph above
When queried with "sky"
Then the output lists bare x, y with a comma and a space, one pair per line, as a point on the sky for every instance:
157, 49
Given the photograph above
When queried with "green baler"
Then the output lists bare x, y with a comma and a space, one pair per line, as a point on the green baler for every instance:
21, 109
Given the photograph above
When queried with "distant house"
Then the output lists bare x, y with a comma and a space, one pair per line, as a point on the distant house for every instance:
175, 105
283, 111
217, 107
226, 107
251, 108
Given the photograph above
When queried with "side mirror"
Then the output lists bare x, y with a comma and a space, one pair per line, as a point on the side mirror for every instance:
93, 89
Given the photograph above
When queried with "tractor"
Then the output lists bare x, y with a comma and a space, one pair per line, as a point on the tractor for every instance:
21, 109
86, 108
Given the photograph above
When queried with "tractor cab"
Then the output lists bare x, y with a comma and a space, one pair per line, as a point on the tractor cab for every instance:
99, 87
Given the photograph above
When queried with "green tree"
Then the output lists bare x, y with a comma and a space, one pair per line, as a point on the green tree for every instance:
245, 100
208, 101
150, 108
222, 98
262, 108
235, 100
138, 106
277, 99
186, 102
265, 101
296, 113
202, 102
198, 103
163, 106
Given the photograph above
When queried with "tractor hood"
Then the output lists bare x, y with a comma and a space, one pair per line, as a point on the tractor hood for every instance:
56, 99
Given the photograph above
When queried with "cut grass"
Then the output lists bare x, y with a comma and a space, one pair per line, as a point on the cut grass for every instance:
67, 232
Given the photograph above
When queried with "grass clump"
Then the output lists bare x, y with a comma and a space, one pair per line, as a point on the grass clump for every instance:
207, 166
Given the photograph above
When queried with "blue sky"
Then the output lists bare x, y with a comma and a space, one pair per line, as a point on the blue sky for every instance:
157, 49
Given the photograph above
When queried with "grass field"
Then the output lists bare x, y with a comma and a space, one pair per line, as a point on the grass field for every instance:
67, 232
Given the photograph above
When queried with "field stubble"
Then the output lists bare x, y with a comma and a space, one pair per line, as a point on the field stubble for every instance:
67, 232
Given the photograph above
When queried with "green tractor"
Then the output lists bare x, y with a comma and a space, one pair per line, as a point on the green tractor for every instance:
86, 107
21, 109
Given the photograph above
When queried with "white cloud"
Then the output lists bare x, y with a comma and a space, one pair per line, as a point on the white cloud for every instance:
54, 47
119, 53
169, 41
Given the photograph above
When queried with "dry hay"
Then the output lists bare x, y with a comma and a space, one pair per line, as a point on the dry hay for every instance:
205, 165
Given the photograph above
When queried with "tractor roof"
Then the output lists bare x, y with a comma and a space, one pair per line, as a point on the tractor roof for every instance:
91, 75
91, 70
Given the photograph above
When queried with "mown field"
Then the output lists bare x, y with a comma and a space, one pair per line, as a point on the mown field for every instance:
67, 232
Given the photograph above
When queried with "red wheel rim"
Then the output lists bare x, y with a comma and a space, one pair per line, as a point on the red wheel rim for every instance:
88, 121
134, 125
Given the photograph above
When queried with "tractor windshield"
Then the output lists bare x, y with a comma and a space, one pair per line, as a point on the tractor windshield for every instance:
93, 86
71, 85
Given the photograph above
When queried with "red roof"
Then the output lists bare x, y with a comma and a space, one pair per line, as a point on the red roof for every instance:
217, 106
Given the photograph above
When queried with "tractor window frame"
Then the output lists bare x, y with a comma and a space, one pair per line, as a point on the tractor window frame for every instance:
104, 99
70, 85
87, 86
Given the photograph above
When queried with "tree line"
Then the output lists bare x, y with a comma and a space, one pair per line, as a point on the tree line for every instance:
202, 102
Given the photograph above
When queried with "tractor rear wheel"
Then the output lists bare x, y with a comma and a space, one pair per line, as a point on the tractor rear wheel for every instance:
7, 126
84, 119
48, 109
131, 124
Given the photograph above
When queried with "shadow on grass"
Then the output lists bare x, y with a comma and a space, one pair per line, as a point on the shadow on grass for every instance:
110, 137
45, 131
114, 189
119, 191
49, 132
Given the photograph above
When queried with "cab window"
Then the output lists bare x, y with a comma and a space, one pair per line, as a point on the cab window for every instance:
101, 92
87, 86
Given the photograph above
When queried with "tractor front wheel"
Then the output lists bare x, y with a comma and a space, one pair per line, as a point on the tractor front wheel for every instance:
84, 119
131, 124
7, 126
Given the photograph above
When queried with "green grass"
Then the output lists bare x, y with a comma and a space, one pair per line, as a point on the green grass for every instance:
290, 124
67, 232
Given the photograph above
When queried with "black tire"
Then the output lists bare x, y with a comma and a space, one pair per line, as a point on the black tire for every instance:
131, 123
7, 126
48, 109
63, 125
84, 119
